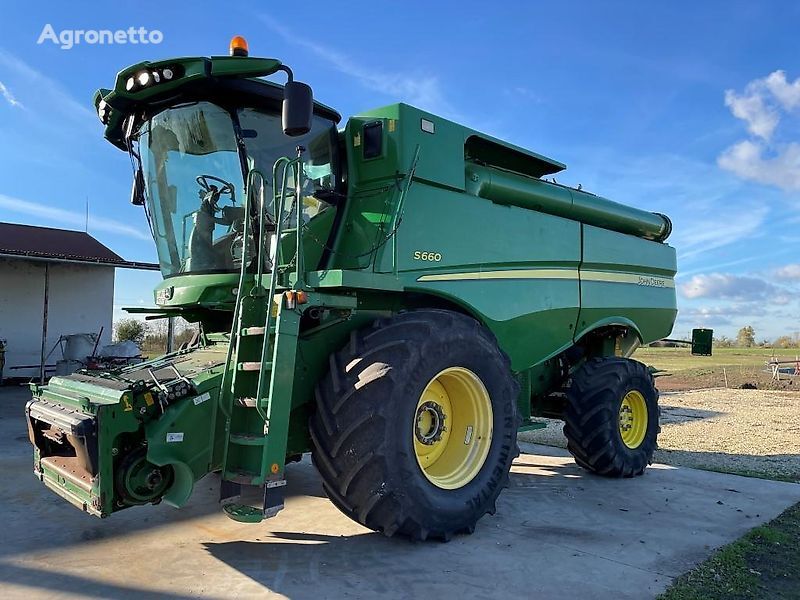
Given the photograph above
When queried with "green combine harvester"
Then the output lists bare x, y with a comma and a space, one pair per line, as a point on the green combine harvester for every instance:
398, 296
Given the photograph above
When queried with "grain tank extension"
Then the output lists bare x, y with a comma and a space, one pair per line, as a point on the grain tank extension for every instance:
396, 294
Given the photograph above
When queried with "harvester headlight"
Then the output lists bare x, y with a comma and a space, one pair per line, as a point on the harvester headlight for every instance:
143, 78
102, 110
130, 83
156, 76
167, 73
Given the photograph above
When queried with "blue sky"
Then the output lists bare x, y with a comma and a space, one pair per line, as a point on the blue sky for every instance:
690, 109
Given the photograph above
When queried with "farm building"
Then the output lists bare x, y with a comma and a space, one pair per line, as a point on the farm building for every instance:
53, 282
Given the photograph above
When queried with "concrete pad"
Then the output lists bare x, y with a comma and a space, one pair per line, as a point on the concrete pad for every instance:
559, 532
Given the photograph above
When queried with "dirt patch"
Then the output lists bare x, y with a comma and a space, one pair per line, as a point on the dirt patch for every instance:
750, 432
735, 376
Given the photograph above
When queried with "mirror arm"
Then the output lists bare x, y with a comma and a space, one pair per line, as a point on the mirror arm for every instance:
288, 71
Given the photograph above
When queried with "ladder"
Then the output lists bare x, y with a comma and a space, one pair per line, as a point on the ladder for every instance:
257, 384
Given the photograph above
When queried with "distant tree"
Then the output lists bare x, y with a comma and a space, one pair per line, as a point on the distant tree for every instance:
785, 341
723, 342
131, 330
746, 338
155, 339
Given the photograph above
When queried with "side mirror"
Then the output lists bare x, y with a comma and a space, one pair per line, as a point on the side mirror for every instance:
702, 340
137, 189
298, 108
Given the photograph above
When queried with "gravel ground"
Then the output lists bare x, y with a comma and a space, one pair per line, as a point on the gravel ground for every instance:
750, 432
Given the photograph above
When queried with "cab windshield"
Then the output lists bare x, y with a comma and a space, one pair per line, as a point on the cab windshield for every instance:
194, 182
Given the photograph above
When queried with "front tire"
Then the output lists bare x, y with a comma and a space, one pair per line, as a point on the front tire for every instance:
416, 425
611, 419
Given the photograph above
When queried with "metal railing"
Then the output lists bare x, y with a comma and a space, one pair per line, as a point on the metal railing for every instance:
255, 185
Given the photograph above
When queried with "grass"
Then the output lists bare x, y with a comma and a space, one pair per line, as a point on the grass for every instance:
764, 564
681, 359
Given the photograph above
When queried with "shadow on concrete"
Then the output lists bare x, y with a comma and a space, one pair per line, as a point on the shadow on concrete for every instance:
39, 580
777, 467
674, 415
309, 555
371, 561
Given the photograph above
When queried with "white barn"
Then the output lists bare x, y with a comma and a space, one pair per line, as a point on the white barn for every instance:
53, 282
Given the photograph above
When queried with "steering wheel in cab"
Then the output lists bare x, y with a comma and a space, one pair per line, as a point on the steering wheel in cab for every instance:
211, 192
203, 247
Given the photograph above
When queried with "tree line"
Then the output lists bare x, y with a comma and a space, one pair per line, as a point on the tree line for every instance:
746, 338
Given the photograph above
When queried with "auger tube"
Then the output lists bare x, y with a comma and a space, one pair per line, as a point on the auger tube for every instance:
503, 187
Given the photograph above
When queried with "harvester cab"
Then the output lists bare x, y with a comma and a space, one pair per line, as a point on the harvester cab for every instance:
344, 312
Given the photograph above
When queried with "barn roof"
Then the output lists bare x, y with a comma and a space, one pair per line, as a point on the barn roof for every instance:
60, 245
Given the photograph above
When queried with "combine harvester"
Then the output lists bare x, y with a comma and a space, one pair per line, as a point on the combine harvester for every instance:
398, 297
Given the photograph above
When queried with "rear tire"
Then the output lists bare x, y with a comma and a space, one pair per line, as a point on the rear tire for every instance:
377, 421
611, 419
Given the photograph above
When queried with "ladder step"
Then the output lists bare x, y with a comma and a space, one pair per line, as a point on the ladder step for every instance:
273, 494
244, 513
248, 331
253, 366
247, 402
248, 439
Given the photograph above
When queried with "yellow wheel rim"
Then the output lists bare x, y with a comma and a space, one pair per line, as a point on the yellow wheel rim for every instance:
633, 419
453, 428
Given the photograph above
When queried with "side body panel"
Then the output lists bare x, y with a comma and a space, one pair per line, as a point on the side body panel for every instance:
627, 280
515, 268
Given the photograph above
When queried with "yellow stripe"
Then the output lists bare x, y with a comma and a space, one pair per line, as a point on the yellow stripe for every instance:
596, 276
508, 274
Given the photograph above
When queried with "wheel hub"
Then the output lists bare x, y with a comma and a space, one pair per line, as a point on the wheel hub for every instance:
453, 428
633, 419
430, 423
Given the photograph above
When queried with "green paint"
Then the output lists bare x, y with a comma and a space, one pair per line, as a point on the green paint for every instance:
425, 213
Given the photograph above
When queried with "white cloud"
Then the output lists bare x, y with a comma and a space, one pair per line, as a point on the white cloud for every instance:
729, 287
525, 94
762, 106
701, 236
423, 91
787, 94
752, 108
750, 160
718, 315
6, 93
729, 263
729, 310
66, 217
791, 271
47, 90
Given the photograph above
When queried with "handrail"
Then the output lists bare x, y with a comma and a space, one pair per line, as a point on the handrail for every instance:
279, 204
299, 265
283, 165
237, 307
278, 200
